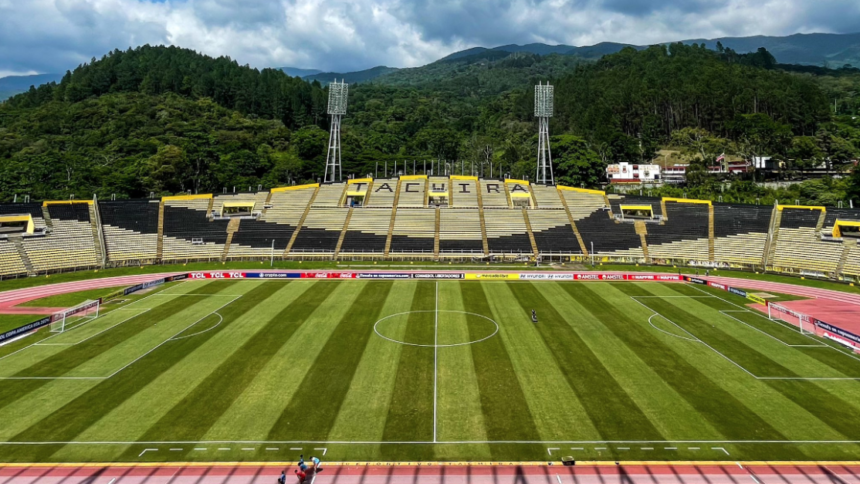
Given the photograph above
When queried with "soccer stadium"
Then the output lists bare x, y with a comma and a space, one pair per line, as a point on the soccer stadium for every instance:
537, 350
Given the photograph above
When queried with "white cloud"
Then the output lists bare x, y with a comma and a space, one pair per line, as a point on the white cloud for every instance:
55, 35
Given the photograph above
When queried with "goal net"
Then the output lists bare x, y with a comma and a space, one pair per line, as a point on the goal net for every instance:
69, 318
781, 313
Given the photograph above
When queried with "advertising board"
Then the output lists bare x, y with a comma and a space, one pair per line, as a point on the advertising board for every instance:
23, 329
437, 275
491, 276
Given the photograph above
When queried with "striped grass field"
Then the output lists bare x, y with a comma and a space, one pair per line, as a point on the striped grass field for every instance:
408, 370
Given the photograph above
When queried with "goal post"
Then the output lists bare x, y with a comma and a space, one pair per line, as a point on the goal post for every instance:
73, 316
776, 312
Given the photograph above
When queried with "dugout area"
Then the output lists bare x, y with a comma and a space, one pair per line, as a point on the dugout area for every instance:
222, 370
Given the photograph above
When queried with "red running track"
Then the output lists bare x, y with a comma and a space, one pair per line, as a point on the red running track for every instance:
606, 473
8, 299
832, 300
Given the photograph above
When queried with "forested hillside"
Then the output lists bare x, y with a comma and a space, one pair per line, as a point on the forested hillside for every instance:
163, 119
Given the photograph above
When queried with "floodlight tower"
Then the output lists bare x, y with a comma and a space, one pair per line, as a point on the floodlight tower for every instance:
337, 95
543, 111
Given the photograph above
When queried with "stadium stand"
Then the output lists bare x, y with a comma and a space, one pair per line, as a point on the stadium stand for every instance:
412, 190
583, 203
609, 238
740, 233
684, 234
320, 231
256, 238
367, 231
11, 263
798, 245
493, 194
329, 195
464, 192
414, 231
70, 243
382, 193
460, 231
188, 232
476, 217
552, 232
547, 196
288, 205
507, 232
130, 230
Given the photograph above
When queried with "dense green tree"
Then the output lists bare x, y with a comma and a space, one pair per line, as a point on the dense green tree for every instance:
575, 163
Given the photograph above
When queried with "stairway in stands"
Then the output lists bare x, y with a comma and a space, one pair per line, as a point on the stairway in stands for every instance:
343, 232
573, 225
847, 244
301, 221
232, 228
95, 224
159, 245
642, 232
436, 235
393, 217
48, 222
19, 246
710, 233
484, 242
531, 234
770, 246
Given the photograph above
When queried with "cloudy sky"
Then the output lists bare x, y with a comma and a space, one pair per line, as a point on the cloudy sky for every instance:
46, 36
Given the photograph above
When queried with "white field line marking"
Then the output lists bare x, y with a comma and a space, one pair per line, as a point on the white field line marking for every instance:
247, 448
176, 450
424, 442
127, 365
324, 449
435, 360
720, 448
635, 298
112, 481
376, 328
550, 449
200, 448
147, 450
623, 448
295, 448
175, 335
223, 448
220, 320
576, 448
739, 465
664, 331
647, 448
92, 336
820, 345
558, 478
670, 448
124, 307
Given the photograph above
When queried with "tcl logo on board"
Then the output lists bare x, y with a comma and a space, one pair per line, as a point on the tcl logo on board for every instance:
217, 275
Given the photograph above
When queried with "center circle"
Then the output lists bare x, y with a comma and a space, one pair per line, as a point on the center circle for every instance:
439, 329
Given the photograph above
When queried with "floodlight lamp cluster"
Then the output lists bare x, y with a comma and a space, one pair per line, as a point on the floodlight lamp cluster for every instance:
337, 96
543, 100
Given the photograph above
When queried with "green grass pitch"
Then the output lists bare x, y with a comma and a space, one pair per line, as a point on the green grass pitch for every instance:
408, 370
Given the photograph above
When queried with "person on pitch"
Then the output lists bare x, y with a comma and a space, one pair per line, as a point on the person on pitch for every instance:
316, 462
301, 475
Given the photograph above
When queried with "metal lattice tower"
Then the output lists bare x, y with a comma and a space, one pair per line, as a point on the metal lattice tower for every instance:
543, 111
337, 96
